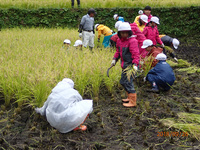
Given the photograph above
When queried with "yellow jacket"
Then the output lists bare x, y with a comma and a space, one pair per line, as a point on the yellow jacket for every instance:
138, 24
106, 31
162, 35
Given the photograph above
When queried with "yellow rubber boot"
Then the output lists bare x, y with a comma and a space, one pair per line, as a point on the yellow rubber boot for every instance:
126, 100
132, 100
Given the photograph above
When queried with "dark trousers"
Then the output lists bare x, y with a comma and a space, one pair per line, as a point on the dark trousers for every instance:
160, 83
78, 2
126, 83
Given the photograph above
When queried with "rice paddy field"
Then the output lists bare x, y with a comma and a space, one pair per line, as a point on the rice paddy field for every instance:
34, 60
34, 4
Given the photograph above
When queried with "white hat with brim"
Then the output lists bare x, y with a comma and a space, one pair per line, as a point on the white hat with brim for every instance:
161, 56
147, 43
124, 26
175, 43
66, 41
115, 16
155, 19
144, 18
78, 42
96, 25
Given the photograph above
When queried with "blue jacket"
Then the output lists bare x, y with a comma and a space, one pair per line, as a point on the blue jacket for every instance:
121, 19
164, 72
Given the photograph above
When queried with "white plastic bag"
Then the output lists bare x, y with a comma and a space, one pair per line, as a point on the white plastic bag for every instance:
65, 109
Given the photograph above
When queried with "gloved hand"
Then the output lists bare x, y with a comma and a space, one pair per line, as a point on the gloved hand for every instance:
144, 79
135, 68
80, 35
98, 40
175, 59
113, 62
163, 45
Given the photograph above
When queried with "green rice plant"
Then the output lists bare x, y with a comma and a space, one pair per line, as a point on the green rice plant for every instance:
33, 62
146, 64
30, 4
181, 63
191, 69
189, 117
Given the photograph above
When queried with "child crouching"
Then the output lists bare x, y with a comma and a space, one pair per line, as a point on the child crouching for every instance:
127, 50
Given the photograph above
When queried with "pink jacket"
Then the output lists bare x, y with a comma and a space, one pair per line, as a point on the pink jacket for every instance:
152, 34
127, 50
140, 37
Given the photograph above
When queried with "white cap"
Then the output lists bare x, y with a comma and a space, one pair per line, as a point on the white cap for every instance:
161, 56
175, 43
117, 24
67, 41
78, 42
147, 43
144, 18
124, 26
140, 12
115, 16
155, 19
96, 25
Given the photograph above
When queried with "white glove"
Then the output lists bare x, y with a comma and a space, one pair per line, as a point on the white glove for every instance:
135, 68
163, 45
175, 59
113, 62
80, 35
145, 79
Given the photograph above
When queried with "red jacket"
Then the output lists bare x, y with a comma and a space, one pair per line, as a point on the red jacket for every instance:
127, 50
154, 52
152, 34
114, 38
140, 37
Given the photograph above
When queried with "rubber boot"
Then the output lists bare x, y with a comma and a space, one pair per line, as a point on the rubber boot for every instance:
82, 127
132, 100
126, 100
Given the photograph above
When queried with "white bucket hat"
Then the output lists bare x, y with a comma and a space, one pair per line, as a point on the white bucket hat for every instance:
96, 25
161, 56
144, 18
175, 43
155, 19
115, 16
117, 24
66, 41
147, 43
78, 42
124, 26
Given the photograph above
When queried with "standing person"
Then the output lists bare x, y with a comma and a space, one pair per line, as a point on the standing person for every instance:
86, 29
161, 76
118, 18
106, 31
127, 50
65, 108
147, 12
170, 43
152, 50
141, 23
140, 37
151, 31
78, 3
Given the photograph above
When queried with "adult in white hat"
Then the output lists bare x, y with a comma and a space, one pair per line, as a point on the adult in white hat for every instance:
65, 109
172, 43
161, 76
153, 51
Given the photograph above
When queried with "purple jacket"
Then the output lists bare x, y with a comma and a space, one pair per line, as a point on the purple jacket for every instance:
127, 50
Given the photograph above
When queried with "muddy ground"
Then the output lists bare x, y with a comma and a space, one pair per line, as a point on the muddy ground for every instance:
111, 126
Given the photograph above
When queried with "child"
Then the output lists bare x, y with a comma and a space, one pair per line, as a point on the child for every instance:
141, 23
79, 44
140, 37
151, 31
127, 50
152, 50
66, 44
106, 31
118, 18
170, 43
114, 38
65, 109
161, 76
147, 12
